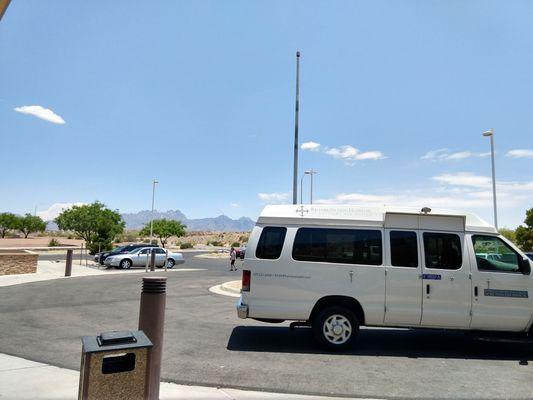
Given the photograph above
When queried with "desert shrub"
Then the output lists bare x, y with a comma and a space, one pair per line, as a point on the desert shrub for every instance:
186, 245
130, 236
235, 244
54, 243
216, 243
244, 238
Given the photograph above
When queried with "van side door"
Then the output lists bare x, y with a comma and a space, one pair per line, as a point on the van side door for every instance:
403, 283
446, 299
502, 295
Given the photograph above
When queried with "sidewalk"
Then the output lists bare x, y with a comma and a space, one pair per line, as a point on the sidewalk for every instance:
21, 379
47, 270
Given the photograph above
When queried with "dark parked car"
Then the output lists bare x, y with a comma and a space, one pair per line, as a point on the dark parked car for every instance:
100, 257
530, 255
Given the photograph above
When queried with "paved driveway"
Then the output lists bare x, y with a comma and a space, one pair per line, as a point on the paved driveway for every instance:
206, 344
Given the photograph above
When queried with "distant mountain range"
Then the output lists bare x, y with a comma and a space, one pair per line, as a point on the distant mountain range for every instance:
221, 223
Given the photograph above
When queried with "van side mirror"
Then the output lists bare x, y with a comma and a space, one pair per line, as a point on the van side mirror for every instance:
525, 266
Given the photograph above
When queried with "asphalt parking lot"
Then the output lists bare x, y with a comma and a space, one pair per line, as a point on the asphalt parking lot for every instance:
206, 344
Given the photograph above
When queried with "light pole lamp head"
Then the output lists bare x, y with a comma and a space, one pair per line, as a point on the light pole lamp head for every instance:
155, 181
490, 132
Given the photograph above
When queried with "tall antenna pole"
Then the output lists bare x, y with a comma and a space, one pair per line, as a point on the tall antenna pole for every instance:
295, 172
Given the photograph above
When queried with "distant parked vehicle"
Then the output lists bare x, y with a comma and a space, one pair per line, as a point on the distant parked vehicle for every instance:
137, 258
530, 255
241, 251
101, 257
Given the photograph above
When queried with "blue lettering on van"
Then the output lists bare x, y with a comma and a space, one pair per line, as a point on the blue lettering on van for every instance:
435, 277
522, 294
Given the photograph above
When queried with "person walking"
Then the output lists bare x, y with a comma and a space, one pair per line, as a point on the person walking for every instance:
232, 257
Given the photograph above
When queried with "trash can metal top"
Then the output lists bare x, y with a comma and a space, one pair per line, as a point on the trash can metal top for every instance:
115, 340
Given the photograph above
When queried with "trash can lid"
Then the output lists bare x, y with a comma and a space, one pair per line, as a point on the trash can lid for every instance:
115, 340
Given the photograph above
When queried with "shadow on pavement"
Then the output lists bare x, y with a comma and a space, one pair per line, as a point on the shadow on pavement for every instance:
383, 342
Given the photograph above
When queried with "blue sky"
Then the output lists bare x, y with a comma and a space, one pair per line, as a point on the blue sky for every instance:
200, 95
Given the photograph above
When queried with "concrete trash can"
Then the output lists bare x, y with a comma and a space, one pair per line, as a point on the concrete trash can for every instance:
114, 366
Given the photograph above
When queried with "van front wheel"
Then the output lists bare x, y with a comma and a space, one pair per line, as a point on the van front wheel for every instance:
335, 328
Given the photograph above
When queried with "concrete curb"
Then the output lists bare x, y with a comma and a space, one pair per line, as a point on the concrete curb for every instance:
231, 289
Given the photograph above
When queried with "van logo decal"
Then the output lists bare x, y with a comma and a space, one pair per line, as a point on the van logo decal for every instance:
435, 277
302, 210
522, 294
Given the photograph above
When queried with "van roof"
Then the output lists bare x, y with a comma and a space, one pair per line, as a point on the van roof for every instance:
378, 216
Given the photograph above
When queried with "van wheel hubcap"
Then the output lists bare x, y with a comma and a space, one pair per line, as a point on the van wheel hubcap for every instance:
337, 329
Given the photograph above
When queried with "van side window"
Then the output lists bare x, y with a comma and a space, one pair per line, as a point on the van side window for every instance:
403, 249
493, 254
349, 246
443, 250
270, 242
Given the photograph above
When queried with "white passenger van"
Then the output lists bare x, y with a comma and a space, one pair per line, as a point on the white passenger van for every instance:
336, 268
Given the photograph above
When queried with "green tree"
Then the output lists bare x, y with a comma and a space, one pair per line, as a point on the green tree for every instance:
29, 224
95, 223
164, 228
8, 221
524, 234
509, 234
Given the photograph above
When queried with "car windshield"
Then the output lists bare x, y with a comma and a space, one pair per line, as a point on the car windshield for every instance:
119, 248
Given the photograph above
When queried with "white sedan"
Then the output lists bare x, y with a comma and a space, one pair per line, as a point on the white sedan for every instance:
138, 257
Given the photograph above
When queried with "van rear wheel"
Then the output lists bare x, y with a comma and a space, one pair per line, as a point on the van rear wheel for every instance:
335, 328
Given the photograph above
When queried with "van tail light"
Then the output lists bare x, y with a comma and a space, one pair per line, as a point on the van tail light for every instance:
246, 279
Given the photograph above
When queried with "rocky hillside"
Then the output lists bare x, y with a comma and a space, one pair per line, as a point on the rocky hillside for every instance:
221, 223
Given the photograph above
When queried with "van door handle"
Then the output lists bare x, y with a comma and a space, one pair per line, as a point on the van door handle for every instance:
427, 288
475, 291
351, 276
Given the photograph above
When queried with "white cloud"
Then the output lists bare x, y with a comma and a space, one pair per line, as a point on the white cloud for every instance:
464, 179
42, 113
520, 153
446, 155
273, 197
433, 154
311, 146
354, 198
350, 154
55, 209
462, 191
235, 205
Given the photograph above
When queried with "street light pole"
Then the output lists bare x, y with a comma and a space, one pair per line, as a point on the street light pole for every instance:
152, 214
308, 172
302, 188
490, 133
312, 172
297, 110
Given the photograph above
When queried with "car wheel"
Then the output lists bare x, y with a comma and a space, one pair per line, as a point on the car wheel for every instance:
170, 263
125, 264
335, 328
